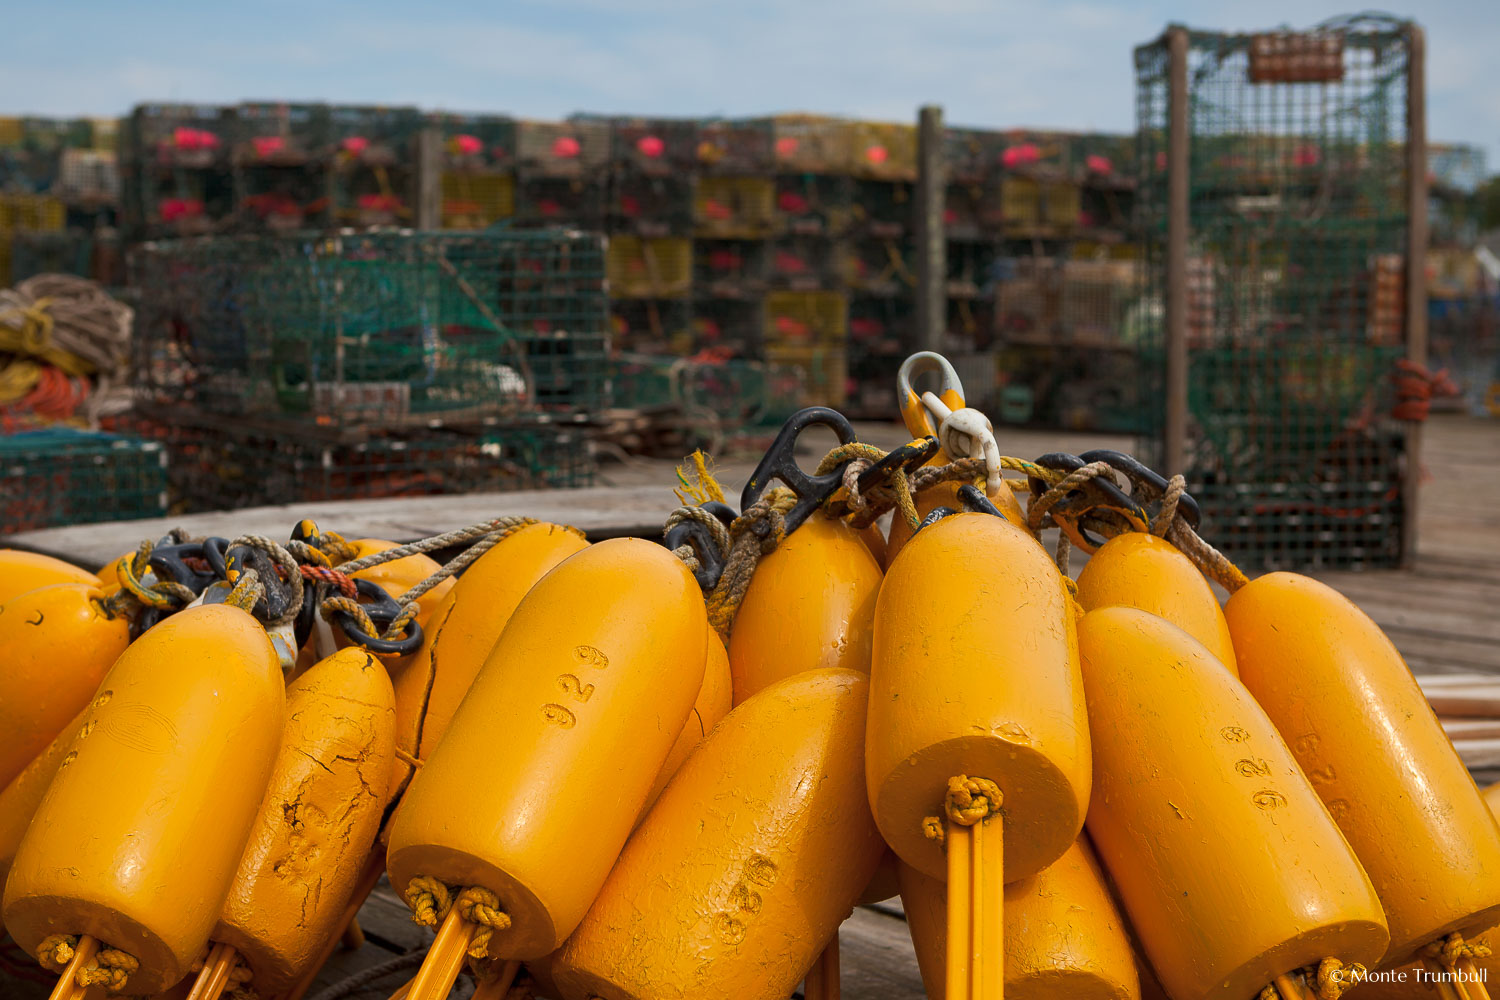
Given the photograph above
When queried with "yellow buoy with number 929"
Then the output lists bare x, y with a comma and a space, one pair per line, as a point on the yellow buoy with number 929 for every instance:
515, 819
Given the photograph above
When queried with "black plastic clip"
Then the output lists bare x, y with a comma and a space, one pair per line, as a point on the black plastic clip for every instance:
382, 609
780, 462
1146, 483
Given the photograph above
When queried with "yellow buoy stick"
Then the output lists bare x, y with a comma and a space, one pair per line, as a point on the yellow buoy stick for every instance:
960, 862
445, 959
1440, 981
1289, 988
215, 973
976, 909
1472, 982
497, 988
353, 936
83, 953
989, 900
822, 981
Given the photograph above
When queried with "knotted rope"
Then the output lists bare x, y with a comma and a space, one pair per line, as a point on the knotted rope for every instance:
110, 967
431, 901
968, 801
1451, 950
483, 536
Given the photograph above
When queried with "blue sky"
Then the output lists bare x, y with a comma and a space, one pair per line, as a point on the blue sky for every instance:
988, 62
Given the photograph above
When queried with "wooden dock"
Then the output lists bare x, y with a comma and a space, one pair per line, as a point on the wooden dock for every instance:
1441, 614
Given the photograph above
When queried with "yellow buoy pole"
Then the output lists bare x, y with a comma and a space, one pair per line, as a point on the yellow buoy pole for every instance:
67, 987
976, 909
445, 958
498, 987
822, 981
215, 974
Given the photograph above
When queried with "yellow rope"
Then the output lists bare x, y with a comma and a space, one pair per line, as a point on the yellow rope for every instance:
968, 801
1449, 951
703, 487
480, 906
429, 900
56, 951
1333, 977
110, 968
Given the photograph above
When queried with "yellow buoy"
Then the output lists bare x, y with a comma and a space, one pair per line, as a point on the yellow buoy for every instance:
137, 839
1063, 936
463, 629
20, 798
1138, 570
978, 748
976, 673
752, 857
809, 606
317, 822
1227, 864
56, 643
1361, 729
1414, 981
23, 571
534, 787
715, 698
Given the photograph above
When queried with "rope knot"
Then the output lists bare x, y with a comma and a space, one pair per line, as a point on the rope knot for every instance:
971, 800
429, 899
110, 968
1450, 950
56, 951
478, 905
1334, 977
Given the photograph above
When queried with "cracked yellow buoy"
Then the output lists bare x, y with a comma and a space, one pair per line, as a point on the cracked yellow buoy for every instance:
137, 839
23, 571
1138, 570
715, 699
1361, 729
463, 629
1227, 864
524, 804
316, 825
751, 858
57, 642
809, 606
1063, 936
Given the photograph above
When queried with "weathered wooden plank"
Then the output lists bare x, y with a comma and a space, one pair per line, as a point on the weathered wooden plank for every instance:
601, 511
878, 960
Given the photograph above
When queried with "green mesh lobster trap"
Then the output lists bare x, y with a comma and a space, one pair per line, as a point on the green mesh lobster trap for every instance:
1271, 319
379, 329
61, 476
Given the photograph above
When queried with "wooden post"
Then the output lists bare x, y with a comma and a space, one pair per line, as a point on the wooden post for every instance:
931, 238
1416, 270
429, 202
1174, 431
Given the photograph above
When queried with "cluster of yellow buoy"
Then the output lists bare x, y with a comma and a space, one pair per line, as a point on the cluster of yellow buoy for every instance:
624, 771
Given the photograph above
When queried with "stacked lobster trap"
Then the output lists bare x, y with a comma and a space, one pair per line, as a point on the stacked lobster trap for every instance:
1292, 280
339, 358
